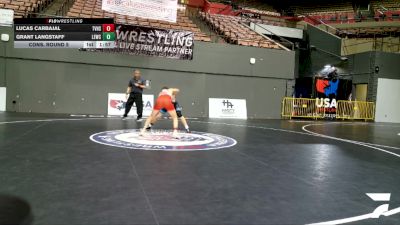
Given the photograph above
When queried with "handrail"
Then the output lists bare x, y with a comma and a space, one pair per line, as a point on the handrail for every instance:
270, 39
373, 41
209, 34
361, 19
64, 7
221, 10
389, 46
383, 7
280, 37
322, 22
312, 25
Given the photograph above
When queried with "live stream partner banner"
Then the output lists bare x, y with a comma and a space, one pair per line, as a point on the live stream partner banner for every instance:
137, 40
151, 9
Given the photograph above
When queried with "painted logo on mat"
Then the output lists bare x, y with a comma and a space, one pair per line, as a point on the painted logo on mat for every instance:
162, 140
382, 210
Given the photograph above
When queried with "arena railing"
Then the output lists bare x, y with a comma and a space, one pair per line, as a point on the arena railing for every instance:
328, 28
355, 110
345, 110
375, 45
301, 108
210, 31
281, 39
63, 10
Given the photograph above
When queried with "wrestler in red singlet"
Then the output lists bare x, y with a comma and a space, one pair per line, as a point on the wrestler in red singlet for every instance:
164, 101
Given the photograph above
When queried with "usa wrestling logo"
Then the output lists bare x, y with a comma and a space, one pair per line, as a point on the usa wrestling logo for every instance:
327, 87
162, 140
117, 104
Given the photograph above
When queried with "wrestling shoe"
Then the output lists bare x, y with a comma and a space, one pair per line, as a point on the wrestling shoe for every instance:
175, 135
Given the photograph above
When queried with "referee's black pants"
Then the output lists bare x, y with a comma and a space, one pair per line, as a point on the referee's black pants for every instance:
138, 100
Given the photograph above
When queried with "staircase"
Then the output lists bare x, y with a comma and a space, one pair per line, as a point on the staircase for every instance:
194, 16
54, 8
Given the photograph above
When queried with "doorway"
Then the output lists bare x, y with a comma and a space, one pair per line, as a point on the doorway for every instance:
361, 92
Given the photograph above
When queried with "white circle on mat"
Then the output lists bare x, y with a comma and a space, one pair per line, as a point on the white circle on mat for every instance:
162, 140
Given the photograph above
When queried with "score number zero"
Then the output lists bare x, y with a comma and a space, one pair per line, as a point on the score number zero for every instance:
105, 39
107, 32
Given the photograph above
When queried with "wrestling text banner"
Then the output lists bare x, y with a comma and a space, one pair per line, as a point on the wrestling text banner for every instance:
137, 40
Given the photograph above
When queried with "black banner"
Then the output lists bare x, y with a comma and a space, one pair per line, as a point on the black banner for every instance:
63, 21
57, 36
136, 40
329, 91
47, 28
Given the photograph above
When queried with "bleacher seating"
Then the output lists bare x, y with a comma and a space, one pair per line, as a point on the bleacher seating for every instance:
365, 32
335, 17
253, 6
388, 10
256, 6
24, 8
343, 12
388, 4
331, 8
267, 22
92, 9
269, 12
235, 32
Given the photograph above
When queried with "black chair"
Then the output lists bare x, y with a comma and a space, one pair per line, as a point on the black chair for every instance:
14, 211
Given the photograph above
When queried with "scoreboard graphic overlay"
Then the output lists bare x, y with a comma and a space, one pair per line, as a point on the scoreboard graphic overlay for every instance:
64, 33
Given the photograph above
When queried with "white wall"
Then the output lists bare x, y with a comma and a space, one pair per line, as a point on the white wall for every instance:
2, 99
388, 101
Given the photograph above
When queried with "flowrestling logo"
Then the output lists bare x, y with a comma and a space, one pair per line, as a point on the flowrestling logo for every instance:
162, 140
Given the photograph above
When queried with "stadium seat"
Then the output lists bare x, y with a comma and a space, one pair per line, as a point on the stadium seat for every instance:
388, 4
92, 9
234, 31
24, 8
369, 32
331, 8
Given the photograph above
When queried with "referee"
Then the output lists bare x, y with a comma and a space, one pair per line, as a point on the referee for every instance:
135, 91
